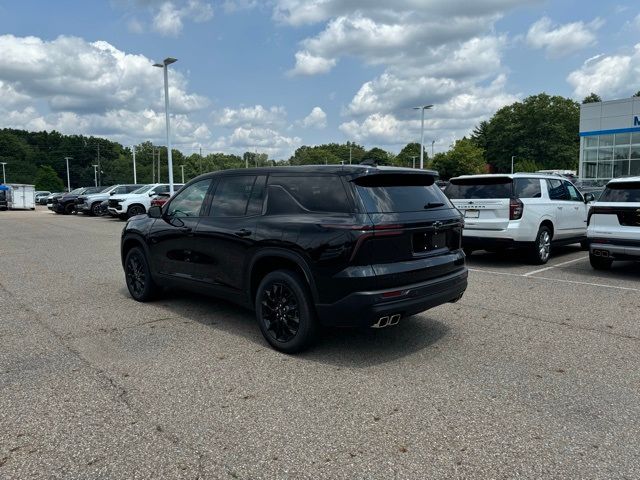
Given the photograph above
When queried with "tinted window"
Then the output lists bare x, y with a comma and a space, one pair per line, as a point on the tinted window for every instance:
557, 190
527, 188
316, 193
257, 196
574, 195
479, 188
188, 203
621, 192
400, 193
142, 189
232, 196
130, 188
120, 189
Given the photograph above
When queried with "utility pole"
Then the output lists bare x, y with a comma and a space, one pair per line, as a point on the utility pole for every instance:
135, 175
182, 168
99, 169
4, 176
153, 164
201, 160
414, 160
95, 174
350, 148
432, 144
422, 108
68, 176
159, 166
512, 157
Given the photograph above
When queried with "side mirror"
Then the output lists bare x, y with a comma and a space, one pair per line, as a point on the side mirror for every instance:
112, 193
155, 212
589, 197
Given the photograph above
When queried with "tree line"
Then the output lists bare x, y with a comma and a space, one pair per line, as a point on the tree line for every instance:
540, 132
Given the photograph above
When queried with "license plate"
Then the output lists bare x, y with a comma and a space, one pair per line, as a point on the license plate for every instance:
472, 213
425, 242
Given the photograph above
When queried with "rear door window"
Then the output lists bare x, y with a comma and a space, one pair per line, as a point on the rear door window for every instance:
314, 193
396, 193
480, 188
527, 188
574, 195
621, 192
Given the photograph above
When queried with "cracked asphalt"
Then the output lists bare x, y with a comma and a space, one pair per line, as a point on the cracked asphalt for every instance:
535, 373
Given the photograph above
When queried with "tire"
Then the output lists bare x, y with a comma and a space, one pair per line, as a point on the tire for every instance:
584, 245
467, 251
541, 249
137, 274
285, 311
599, 263
69, 208
95, 209
134, 210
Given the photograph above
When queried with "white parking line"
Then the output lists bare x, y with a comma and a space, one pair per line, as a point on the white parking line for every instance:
574, 282
554, 266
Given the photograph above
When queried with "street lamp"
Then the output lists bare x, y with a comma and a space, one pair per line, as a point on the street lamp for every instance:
422, 108
4, 176
414, 160
512, 157
95, 174
68, 177
433, 142
182, 168
164, 65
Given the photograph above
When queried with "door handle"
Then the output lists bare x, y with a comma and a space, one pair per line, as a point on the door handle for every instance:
243, 232
559, 208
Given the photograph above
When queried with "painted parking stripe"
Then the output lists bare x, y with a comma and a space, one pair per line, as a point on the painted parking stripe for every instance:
554, 266
575, 282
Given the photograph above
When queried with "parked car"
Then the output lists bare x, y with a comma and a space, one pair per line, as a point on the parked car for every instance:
41, 197
614, 224
304, 246
533, 211
138, 201
91, 203
55, 196
160, 199
66, 204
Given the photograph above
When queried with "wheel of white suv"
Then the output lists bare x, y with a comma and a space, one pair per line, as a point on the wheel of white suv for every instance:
600, 263
541, 250
134, 210
284, 311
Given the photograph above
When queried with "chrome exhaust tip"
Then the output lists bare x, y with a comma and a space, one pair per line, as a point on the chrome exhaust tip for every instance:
596, 253
381, 323
394, 319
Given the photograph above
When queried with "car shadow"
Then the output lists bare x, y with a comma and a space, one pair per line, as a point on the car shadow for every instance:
342, 347
509, 258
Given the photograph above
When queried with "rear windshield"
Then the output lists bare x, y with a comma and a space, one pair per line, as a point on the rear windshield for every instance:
621, 192
394, 193
481, 188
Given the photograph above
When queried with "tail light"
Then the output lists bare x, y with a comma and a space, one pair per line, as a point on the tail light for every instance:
516, 208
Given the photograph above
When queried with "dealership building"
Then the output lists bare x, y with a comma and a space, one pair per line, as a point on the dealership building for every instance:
609, 139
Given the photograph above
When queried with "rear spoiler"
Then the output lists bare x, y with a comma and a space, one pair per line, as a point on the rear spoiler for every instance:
397, 179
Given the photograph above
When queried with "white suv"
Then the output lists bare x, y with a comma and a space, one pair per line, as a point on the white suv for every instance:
138, 201
528, 210
614, 224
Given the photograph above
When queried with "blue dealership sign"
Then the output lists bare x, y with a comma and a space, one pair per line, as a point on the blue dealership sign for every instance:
636, 121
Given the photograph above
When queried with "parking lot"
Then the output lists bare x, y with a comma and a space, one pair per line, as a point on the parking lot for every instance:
534, 373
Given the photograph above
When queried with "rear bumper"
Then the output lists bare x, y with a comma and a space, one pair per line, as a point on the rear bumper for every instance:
363, 309
617, 251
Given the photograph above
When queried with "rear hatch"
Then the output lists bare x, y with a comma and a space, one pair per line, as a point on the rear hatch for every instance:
616, 215
484, 201
416, 231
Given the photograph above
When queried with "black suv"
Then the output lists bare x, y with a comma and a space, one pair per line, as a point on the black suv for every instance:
304, 246
66, 203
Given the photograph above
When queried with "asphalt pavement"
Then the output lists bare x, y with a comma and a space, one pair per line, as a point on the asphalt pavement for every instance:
535, 373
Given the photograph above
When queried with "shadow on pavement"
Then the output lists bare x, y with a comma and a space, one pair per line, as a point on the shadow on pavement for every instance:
507, 259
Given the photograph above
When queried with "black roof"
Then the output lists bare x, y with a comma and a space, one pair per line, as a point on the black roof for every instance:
345, 170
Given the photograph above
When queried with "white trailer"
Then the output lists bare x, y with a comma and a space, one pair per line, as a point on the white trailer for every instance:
21, 197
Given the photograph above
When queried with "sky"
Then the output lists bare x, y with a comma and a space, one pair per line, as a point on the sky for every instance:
272, 75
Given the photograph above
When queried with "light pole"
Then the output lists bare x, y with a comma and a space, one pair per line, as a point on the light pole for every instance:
422, 108
95, 174
135, 175
414, 160
512, 157
433, 142
165, 67
4, 176
182, 168
68, 177
350, 148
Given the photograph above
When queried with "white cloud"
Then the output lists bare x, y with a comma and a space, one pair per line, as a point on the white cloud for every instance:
611, 76
264, 140
562, 40
169, 18
135, 26
308, 64
316, 119
231, 6
251, 116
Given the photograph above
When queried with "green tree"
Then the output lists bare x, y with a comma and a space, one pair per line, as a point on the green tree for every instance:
526, 166
637, 94
48, 180
378, 156
592, 98
541, 128
464, 158
405, 157
479, 136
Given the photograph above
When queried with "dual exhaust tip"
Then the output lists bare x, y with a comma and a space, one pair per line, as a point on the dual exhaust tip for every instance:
601, 253
387, 321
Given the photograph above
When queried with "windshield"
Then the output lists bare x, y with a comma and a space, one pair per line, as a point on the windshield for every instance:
621, 192
479, 188
144, 188
395, 193
77, 190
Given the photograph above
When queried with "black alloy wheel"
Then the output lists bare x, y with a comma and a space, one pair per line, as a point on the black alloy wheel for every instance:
96, 210
134, 210
284, 311
69, 208
138, 276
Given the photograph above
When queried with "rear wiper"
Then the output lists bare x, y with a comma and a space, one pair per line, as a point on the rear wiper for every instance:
434, 205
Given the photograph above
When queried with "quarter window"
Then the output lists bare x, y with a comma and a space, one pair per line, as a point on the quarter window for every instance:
317, 193
188, 203
232, 196
527, 188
